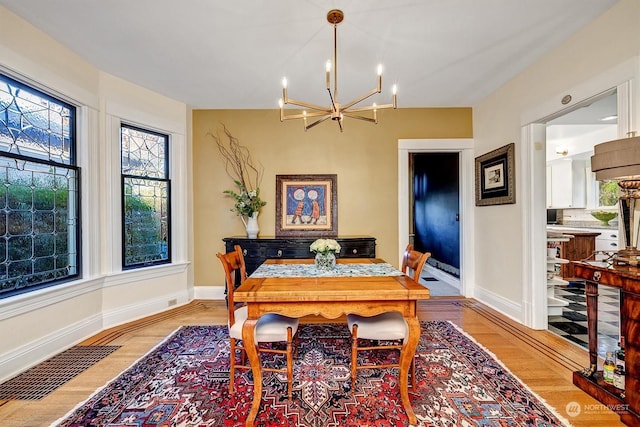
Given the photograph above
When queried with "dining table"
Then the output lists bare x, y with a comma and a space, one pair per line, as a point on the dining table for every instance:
296, 288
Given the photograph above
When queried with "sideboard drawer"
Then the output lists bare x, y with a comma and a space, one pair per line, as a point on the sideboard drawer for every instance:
357, 249
288, 250
249, 251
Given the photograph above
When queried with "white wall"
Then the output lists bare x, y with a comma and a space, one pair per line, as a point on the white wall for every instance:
501, 259
36, 325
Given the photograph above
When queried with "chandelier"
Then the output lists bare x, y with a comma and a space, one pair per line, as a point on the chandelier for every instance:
336, 111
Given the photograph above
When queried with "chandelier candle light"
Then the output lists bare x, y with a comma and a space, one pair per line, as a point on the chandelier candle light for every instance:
336, 111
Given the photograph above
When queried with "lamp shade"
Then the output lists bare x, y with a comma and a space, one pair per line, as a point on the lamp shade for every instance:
620, 160
616, 159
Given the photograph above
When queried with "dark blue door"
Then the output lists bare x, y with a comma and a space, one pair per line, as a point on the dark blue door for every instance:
436, 208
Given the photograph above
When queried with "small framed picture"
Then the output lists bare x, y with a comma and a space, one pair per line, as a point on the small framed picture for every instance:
306, 205
495, 181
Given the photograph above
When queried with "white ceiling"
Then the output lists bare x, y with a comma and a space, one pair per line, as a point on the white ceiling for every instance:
233, 54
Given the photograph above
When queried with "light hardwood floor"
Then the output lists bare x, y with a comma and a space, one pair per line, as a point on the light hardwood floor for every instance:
542, 360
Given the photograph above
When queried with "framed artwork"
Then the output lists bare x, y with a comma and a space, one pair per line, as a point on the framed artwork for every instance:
495, 180
306, 205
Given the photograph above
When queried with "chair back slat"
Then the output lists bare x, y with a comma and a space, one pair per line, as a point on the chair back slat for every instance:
415, 261
234, 269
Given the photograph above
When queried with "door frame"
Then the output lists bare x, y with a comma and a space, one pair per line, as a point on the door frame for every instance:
533, 162
465, 148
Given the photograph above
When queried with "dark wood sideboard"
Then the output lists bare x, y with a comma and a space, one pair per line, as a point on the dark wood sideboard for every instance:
256, 251
625, 402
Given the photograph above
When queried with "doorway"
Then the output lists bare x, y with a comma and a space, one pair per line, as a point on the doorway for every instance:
570, 140
436, 209
533, 164
463, 149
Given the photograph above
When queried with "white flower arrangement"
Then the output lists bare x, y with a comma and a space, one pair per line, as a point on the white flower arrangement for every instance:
325, 246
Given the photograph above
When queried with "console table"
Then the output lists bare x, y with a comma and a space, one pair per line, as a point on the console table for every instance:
624, 402
257, 251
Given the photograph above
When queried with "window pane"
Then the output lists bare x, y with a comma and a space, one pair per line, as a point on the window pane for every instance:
608, 193
145, 189
143, 153
146, 221
38, 224
33, 124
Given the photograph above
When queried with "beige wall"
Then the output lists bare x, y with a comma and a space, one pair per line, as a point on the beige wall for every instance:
36, 325
610, 40
364, 157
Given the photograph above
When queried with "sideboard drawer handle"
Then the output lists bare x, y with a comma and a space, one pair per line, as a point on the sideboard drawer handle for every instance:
596, 276
279, 252
244, 252
355, 251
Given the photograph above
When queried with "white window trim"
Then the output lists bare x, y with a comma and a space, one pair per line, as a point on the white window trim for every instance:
116, 115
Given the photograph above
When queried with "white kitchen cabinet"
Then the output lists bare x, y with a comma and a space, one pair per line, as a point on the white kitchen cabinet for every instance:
607, 241
567, 184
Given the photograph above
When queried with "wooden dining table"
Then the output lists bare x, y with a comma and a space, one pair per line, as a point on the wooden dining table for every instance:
364, 286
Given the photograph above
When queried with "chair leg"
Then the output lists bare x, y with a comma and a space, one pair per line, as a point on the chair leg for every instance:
232, 364
354, 356
289, 362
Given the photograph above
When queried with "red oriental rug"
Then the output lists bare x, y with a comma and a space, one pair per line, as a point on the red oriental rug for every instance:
184, 382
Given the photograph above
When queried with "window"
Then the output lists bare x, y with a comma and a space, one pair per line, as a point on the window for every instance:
145, 197
39, 190
608, 193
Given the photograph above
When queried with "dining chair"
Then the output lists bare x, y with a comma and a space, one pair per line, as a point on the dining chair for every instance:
271, 328
386, 331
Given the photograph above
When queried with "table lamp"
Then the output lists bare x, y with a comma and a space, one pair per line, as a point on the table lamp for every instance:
620, 160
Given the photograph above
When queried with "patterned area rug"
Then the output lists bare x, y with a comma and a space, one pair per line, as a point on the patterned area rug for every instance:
184, 382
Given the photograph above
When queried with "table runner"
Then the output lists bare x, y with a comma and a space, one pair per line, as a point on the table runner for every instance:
310, 270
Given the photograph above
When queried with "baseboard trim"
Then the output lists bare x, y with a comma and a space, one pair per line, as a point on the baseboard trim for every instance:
499, 303
128, 313
209, 292
22, 358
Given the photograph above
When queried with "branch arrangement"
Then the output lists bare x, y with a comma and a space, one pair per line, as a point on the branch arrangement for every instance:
238, 162
244, 172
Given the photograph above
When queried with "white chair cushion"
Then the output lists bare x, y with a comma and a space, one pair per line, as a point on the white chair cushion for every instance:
385, 326
270, 328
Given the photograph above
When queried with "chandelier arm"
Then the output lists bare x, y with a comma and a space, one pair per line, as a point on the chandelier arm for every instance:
333, 103
371, 108
362, 98
303, 116
318, 113
307, 105
317, 122
356, 116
